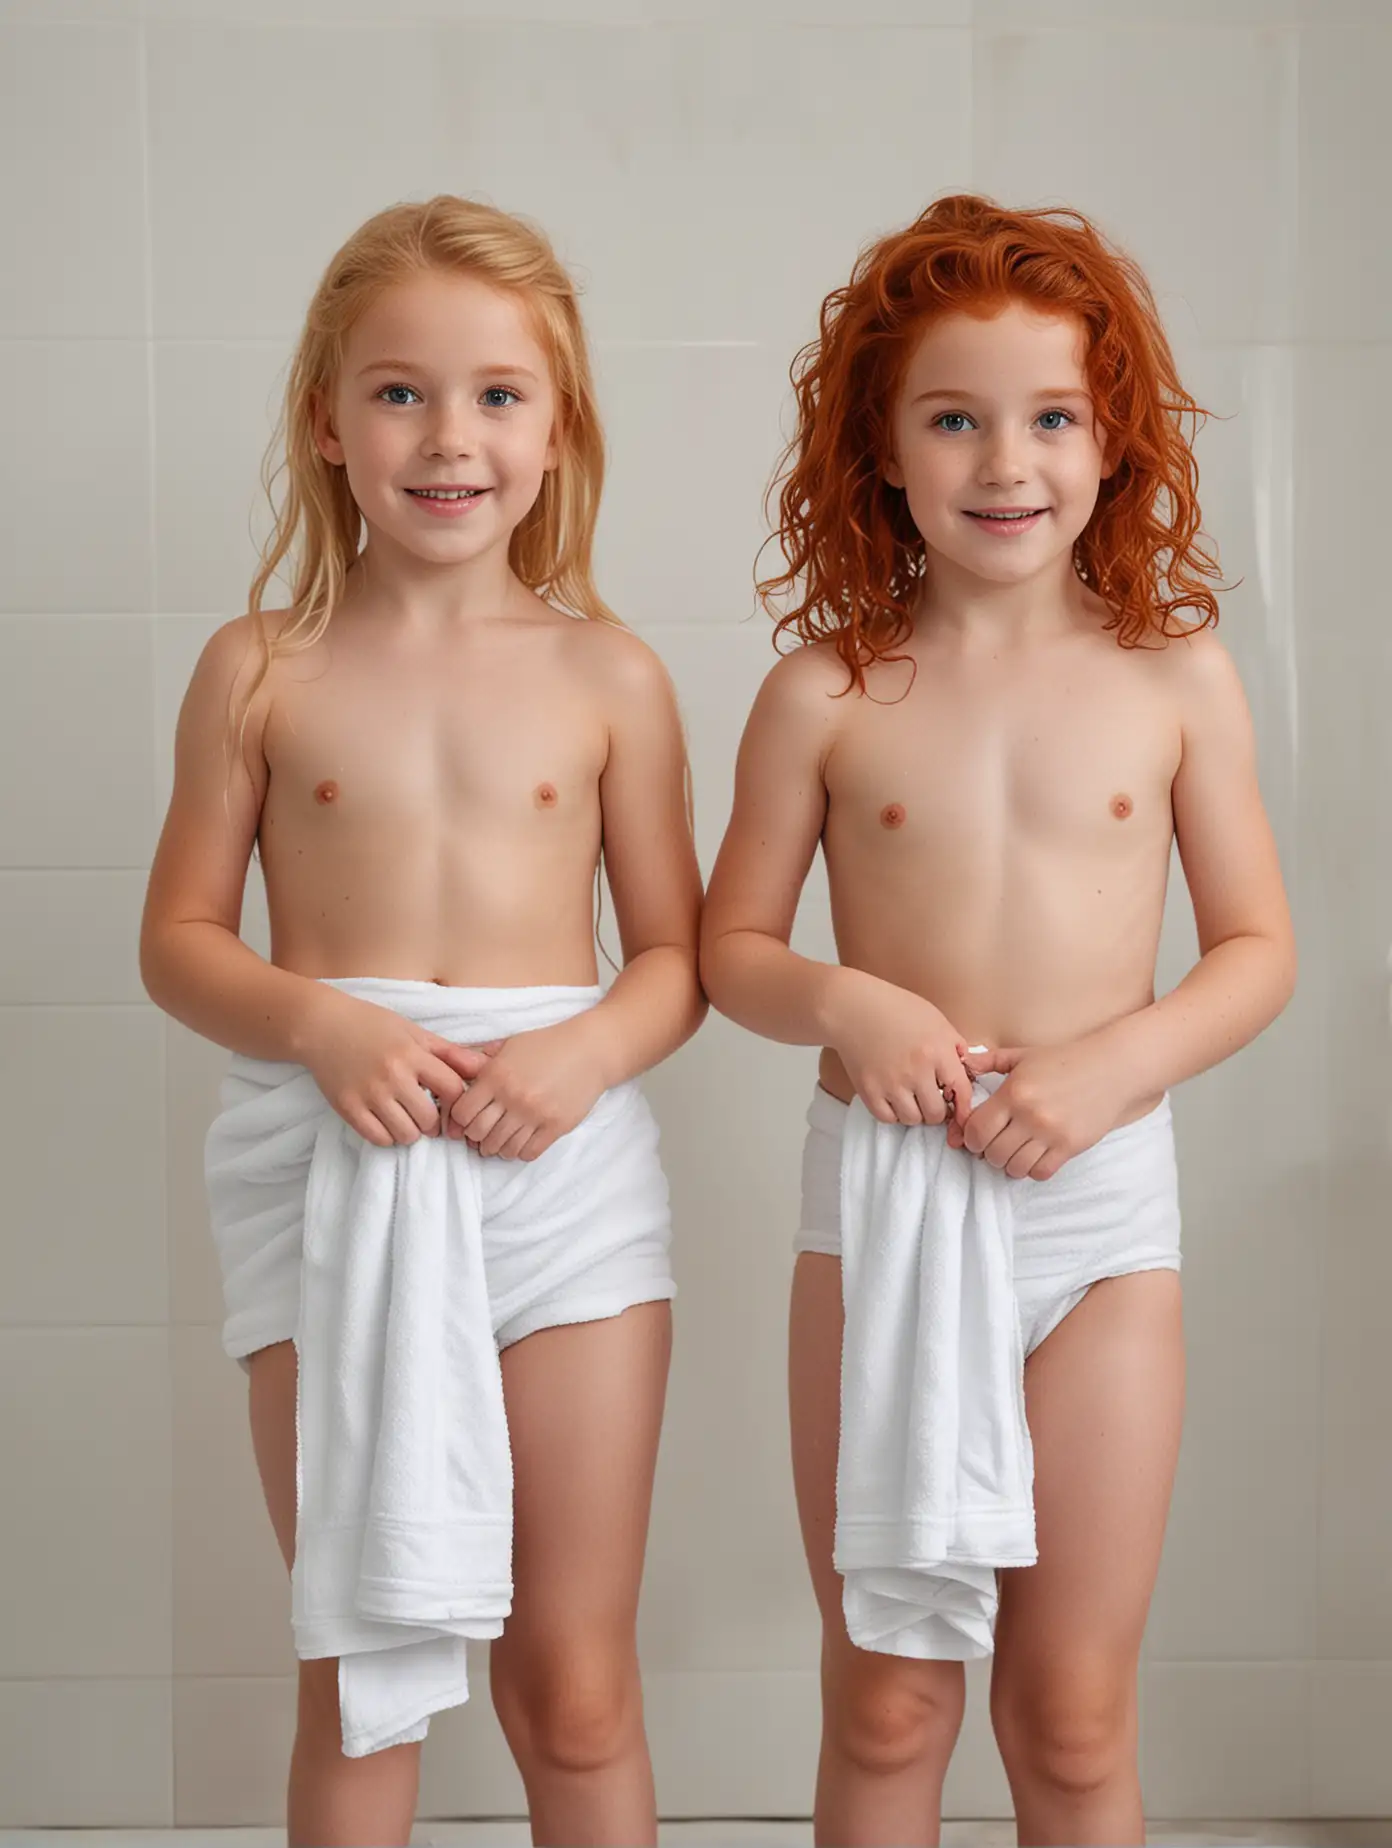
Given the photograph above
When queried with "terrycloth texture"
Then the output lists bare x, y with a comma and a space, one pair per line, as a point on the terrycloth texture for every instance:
404, 1526
952, 1273
1098, 1217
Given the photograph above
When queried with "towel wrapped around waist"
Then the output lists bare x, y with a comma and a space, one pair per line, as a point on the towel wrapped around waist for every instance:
399, 1272
951, 1272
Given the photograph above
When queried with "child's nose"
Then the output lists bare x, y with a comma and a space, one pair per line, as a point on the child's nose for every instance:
1002, 462
453, 433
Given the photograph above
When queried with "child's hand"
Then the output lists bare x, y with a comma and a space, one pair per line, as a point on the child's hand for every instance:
1056, 1102
382, 1074
903, 1056
533, 1090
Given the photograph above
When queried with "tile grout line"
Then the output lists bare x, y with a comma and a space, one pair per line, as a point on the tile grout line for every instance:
153, 592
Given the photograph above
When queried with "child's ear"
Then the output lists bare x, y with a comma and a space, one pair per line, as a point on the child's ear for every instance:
1111, 453
553, 449
892, 472
325, 437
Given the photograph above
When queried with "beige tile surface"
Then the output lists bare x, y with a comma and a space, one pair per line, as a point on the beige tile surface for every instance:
232, 1739
714, 412
211, 515
88, 1537
71, 937
83, 1212
234, 255
1165, 114
1226, 1738
70, 175
1345, 275
1351, 1722
76, 742
679, 120
84, 1754
75, 526
194, 1071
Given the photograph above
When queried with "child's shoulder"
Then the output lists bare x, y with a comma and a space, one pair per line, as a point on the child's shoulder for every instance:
1196, 669
236, 646
234, 672
806, 678
614, 658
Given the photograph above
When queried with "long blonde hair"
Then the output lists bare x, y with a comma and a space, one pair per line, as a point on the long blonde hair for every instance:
317, 522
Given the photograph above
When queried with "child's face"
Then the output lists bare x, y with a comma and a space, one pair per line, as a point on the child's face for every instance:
995, 416
443, 386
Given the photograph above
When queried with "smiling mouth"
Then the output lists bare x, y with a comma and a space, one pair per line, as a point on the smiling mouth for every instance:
1005, 514
447, 494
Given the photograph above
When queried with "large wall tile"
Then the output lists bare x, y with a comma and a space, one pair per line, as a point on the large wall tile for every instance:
1345, 275
730, 1593
561, 12
721, 153
1355, 1440
1237, 1578
76, 741
1180, 144
1143, 16
71, 181
232, 1740
211, 513
236, 254
87, 1435
70, 936
75, 530
1345, 662
86, 1754
194, 1070
1351, 1722
693, 435
565, 12
686, 138
82, 1094
1226, 1739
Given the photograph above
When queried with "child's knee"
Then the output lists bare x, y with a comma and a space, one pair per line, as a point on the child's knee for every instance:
568, 1713
1071, 1732
885, 1714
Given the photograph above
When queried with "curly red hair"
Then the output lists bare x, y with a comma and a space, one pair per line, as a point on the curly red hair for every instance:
852, 550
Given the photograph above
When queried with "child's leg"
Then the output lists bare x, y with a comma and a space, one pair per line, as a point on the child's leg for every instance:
333, 1801
1105, 1397
584, 1407
888, 1724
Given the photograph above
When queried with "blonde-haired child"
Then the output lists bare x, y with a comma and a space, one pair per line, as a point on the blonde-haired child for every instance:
435, 1185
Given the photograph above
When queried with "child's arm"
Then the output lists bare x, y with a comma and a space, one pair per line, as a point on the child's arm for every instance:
372, 1066
655, 1003
1246, 970
541, 1084
899, 1050
1060, 1100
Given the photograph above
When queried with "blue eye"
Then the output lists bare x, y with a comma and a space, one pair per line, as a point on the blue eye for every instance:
495, 392
388, 389
1067, 419
953, 422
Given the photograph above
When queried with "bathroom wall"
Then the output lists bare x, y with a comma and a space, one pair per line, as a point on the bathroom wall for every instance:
174, 175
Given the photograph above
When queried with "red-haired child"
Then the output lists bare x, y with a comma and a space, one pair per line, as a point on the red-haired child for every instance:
1004, 709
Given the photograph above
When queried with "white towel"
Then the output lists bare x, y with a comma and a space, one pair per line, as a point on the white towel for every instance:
935, 1473
404, 1527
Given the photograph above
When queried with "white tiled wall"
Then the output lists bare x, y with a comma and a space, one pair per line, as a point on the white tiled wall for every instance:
173, 174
